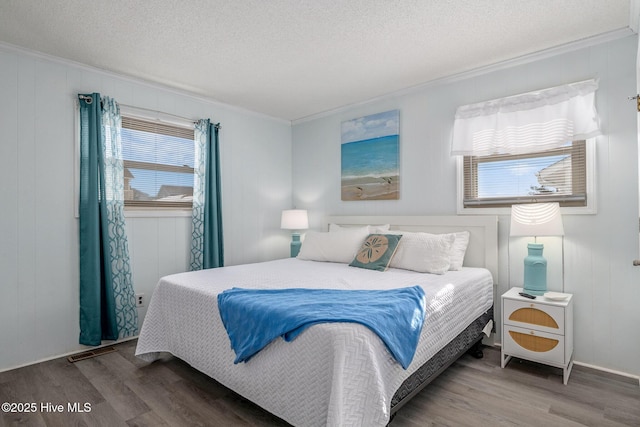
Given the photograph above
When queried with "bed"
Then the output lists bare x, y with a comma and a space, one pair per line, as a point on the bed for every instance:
334, 374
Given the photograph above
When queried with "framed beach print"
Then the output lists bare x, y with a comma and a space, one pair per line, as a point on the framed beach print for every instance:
370, 157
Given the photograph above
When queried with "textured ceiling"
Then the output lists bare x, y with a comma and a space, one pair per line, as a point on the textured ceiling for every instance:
296, 58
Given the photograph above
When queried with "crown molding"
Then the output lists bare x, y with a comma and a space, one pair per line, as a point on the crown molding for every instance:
524, 59
7, 47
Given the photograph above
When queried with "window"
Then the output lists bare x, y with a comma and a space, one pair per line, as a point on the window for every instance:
554, 175
532, 147
158, 163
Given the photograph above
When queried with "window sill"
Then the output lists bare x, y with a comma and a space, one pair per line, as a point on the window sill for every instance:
582, 210
156, 213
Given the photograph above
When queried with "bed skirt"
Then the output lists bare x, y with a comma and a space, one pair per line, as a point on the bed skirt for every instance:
440, 361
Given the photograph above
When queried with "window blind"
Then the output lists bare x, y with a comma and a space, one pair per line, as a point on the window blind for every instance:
555, 175
158, 163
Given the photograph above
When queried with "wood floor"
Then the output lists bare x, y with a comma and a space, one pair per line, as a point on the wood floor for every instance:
124, 391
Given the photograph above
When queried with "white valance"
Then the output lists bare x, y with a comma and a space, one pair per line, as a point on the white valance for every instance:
533, 121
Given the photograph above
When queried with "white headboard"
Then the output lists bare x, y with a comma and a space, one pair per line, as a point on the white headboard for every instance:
483, 240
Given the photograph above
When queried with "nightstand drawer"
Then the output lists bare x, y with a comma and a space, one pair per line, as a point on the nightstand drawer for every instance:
532, 315
534, 345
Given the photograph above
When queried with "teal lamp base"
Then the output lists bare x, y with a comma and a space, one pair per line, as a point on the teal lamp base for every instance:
295, 244
535, 270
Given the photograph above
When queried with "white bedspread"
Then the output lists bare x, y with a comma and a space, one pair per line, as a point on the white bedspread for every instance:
335, 374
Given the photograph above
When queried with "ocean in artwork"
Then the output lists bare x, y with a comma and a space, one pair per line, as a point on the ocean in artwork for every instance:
370, 169
370, 166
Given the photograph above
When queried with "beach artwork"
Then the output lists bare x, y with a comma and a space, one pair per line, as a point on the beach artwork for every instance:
370, 157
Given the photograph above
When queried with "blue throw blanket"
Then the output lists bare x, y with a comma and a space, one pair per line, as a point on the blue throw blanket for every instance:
255, 317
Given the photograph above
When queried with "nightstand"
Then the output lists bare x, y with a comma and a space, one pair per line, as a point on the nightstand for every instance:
540, 330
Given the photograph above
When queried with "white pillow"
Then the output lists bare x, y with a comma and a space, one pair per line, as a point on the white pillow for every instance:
458, 250
371, 229
340, 246
335, 227
423, 252
379, 229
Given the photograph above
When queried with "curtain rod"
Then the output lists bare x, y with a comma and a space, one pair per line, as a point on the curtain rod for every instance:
159, 112
216, 125
89, 100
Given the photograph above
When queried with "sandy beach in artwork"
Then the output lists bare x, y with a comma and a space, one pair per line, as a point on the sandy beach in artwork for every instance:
370, 188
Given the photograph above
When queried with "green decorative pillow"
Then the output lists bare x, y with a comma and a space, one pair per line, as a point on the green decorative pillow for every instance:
376, 252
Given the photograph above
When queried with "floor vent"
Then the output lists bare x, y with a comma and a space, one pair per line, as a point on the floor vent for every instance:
91, 353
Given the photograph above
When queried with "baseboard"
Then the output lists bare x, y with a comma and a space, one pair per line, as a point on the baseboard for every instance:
635, 378
106, 344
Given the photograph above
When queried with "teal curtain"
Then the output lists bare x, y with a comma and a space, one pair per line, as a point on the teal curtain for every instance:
206, 243
107, 300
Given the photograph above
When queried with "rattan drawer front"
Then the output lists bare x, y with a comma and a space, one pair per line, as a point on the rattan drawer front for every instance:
543, 317
534, 345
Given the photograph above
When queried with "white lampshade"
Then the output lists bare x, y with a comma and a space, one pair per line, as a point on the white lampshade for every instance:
294, 219
536, 219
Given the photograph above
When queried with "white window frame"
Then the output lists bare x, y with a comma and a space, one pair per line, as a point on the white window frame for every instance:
590, 208
156, 211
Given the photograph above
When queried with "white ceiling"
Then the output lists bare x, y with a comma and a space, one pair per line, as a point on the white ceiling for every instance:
296, 58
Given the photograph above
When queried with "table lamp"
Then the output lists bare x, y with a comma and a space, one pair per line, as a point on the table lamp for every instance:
536, 219
294, 219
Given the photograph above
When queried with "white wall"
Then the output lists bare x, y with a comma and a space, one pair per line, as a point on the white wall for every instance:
38, 228
598, 248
